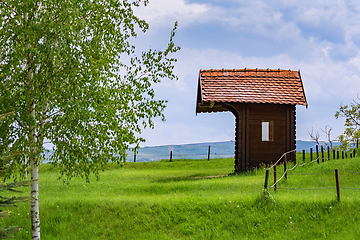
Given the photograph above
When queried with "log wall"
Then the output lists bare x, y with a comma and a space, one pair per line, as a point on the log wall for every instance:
250, 150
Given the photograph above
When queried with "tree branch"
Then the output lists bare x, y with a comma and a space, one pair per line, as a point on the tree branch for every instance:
327, 132
18, 121
315, 137
34, 9
22, 126
7, 5
353, 119
53, 114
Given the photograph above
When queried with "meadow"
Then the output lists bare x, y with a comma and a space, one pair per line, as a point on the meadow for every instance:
196, 199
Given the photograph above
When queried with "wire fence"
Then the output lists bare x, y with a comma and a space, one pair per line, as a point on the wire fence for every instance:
198, 151
187, 151
309, 158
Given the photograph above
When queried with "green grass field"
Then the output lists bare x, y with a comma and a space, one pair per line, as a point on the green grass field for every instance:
195, 199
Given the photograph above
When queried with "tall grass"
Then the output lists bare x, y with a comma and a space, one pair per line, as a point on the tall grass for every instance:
196, 199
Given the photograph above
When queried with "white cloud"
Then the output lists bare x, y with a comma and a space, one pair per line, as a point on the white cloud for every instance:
330, 68
179, 133
282, 20
318, 72
327, 83
355, 61
321, 12
160, 12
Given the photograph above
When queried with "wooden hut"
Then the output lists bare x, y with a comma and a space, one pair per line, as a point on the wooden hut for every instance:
263, 102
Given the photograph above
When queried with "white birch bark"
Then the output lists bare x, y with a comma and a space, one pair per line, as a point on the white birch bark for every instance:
35, 216
34, 203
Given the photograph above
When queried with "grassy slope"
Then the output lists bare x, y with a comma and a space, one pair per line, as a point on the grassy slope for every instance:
164, 200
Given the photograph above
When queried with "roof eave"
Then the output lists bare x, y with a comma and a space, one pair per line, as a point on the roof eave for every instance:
199, 98
302, 87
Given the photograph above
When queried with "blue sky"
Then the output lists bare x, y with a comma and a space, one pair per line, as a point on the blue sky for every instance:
319, 37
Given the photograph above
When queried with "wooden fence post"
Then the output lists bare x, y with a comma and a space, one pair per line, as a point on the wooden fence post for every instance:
134, 154
334, 154
357, 143
303, 155
311, 155
285, 172
317, 153
337, 154
266, 178
337, 184
342, 154
170, 156
354, 152
322, 153
209, 153
328, 150
275, 184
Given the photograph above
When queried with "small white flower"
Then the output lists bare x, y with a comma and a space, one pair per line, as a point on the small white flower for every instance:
330, 206
290, 222
290, 217
57, 206
237, 205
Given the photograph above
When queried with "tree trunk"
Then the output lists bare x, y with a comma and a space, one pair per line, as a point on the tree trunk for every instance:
35, 216
33, 158
25, 172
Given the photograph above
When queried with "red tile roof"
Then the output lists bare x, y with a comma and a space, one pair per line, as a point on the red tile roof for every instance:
251, 86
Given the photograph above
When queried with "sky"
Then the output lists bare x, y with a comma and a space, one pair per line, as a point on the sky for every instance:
321, 38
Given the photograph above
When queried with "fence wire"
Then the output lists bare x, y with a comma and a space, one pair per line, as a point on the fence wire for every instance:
305, 188
349, 171
314, 173
315, 160
307, 173
278, 179
316, 188
281, 158
296, 165
323, 158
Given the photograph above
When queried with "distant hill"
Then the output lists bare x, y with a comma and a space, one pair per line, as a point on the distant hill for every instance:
197, 151
194, 151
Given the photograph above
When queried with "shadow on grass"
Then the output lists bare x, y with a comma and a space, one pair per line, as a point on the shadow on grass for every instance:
193, 177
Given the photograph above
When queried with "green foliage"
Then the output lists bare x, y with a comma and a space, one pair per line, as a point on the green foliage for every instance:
5, 160
352, 124
71, 76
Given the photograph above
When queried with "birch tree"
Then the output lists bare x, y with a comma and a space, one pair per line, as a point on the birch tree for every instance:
72, 77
